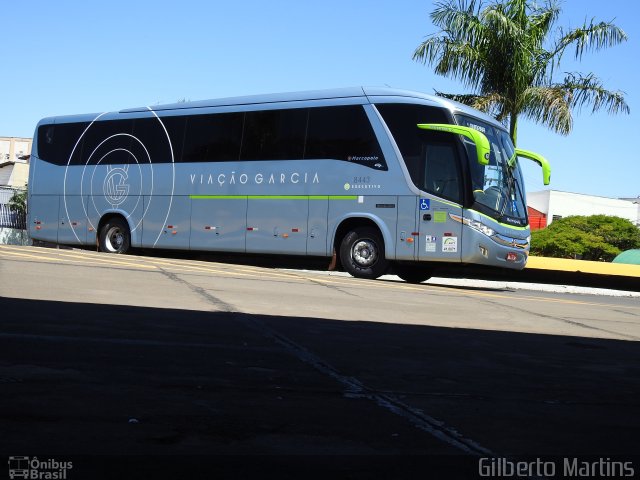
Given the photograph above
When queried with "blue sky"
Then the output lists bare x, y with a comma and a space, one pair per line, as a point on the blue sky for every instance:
68, 57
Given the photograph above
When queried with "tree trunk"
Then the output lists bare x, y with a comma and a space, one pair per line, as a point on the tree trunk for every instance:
513, 127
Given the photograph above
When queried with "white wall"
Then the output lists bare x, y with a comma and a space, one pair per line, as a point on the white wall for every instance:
20, 175
5, 149
13, 147
14, 174
5, 174
564, 204
539, 200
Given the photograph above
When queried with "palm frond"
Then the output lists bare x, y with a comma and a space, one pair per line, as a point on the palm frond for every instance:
465, 98
542, 21
454, 51
491, 104
502, 53
540, 24
501, 21
460, 21
592, 37
450, 58
549, 105
589, 90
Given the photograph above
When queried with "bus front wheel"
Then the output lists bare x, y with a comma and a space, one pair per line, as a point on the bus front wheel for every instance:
362, 253
115, 236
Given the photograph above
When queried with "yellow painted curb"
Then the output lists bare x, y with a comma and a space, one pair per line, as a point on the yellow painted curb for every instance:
583, 266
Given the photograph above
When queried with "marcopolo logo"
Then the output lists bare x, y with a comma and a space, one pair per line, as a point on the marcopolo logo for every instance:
34, 468
359, 158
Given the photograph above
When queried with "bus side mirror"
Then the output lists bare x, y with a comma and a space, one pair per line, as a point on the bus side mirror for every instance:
536, 157
479, 138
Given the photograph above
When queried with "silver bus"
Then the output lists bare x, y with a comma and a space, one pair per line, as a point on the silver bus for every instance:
382, 179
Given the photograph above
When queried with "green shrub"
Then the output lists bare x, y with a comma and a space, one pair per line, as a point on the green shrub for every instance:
595, 237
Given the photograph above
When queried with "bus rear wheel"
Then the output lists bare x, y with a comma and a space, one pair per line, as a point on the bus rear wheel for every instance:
412, 273
362, 253
115, 236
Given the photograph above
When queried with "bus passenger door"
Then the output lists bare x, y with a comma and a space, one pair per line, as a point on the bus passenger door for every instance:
441, 207
440, 234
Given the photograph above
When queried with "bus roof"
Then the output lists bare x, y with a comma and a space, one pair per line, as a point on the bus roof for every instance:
363, 95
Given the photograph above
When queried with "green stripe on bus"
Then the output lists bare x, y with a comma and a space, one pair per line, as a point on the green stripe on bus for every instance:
273, 197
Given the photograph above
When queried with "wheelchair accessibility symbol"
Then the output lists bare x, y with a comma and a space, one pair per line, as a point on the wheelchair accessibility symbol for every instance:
425, 204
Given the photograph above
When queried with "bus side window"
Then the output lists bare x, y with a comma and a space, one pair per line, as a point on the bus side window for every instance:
274, 135
45, 142
107, 142
213, 138
343, 133
150, 139
442, 174
56, 142
403, 120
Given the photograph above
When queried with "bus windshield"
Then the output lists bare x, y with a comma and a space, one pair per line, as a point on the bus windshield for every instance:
498, 189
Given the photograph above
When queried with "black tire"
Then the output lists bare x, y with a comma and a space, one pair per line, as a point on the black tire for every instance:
362, 253
412, 273
115, 236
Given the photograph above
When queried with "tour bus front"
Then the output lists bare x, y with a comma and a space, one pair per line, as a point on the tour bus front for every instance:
494, 222
497, 225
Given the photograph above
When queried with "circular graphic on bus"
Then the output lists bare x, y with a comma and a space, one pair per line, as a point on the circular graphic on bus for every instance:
113, 171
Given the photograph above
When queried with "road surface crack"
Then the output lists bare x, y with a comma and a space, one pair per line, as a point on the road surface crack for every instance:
220, 305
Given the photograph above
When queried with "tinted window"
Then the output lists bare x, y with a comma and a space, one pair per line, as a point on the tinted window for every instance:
431, 157
45, 142
402, 120
441, 172
213, 138
56, 142
343, 133
112, 142
274, 135
150, 132
107, 142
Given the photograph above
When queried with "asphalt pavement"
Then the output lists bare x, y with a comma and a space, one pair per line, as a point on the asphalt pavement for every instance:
178, 368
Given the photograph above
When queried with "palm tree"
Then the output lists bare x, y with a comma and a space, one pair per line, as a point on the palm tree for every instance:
502, 52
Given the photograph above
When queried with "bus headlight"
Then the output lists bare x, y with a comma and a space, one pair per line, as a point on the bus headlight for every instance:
479, 226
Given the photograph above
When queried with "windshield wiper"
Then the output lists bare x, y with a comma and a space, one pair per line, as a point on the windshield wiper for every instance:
514, 187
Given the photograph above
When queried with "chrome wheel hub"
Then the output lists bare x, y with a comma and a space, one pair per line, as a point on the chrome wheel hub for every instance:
364, 253
114, 239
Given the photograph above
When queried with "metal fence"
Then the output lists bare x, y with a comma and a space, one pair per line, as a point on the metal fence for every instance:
8, 217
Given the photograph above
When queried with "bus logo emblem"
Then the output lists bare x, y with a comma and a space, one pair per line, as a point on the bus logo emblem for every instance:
19, 467
116, 189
